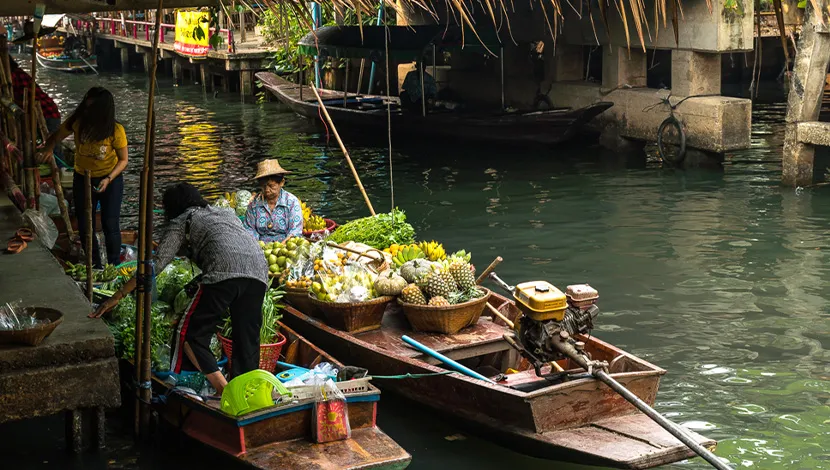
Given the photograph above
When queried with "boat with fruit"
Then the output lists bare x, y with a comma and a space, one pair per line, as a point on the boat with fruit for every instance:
278, 436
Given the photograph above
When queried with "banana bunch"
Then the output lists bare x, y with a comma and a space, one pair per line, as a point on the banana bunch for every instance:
433, 250
126, 271
231, 198
306, 212
315, 222
394, 249
407, 253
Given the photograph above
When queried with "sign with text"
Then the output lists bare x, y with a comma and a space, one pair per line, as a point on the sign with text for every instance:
192, 33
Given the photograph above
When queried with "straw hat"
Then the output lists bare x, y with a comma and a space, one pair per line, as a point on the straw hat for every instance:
269, 168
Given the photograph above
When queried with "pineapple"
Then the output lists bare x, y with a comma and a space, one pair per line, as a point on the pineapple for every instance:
438, 301
463, 275
412, 294
440, 283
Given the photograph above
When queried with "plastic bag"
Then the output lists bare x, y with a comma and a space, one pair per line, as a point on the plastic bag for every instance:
331, 414
14, 317
128, 253
354, 284
43, 226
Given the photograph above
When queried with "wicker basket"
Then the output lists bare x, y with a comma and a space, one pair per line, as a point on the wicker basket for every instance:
269, 354
35, 335
448, 320
354, 317
298, 298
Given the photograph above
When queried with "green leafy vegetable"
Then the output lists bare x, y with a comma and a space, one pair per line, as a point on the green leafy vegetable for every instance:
173, 279
380, 231
122, 327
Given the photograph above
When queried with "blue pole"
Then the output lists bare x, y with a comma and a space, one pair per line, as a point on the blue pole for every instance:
458, 367
372, 72
315, 18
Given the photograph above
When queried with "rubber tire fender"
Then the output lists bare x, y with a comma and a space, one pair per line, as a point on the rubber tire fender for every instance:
672, 121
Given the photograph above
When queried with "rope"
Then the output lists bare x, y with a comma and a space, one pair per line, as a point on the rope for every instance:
411, 376
389, 110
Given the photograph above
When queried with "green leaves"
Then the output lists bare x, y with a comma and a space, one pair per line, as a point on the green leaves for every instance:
380, 231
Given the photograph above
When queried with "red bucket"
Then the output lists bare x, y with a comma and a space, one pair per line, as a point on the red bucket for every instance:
269, 354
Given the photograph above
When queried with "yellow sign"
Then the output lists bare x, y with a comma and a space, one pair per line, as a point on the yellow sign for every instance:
192, 33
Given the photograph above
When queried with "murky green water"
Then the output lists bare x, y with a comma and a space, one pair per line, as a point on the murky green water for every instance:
717, 276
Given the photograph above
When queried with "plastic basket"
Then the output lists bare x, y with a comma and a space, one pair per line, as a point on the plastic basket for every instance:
349, 387
250, 392
269, 354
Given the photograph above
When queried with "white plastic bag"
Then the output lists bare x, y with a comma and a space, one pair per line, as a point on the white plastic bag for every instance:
49, 204
43, 226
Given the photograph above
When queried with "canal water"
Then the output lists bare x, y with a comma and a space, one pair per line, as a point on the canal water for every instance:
717, 275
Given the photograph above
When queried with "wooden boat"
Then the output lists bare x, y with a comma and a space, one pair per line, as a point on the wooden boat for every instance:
55, 59
279, 437
369, 111
579, 420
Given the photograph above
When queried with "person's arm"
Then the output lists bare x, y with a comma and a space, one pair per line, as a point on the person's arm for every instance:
169, 246
54, 138
250, 220
119, 144
295, 219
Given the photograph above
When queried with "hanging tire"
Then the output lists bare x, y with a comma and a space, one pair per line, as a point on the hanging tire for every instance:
667, 157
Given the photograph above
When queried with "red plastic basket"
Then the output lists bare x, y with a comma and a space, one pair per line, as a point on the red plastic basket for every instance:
269, 354
330, 226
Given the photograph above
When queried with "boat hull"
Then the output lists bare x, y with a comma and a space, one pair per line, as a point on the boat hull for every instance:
541, 127
581, 421
68, 65
280, 437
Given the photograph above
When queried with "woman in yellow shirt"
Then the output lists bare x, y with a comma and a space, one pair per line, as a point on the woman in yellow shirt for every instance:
101, 149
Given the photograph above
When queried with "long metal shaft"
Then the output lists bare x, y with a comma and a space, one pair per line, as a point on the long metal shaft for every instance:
566, 348
664, 423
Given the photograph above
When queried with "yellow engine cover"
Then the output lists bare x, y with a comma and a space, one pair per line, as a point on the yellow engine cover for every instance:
541, 300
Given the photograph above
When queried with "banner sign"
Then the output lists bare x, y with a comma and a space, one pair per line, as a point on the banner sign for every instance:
192, 33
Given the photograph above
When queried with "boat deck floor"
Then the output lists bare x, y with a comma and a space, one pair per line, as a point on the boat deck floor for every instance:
483, 338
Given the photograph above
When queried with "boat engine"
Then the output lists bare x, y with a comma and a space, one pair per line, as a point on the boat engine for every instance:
550, 318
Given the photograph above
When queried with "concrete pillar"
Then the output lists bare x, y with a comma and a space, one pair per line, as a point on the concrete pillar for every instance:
177, 71
246, 83
695, 73
623, 66
74, 430
148, 61
806, 92
125, 60
568, 63
206, 77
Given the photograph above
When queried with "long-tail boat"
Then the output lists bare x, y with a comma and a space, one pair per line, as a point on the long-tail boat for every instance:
279, 437
579, 420
451, 121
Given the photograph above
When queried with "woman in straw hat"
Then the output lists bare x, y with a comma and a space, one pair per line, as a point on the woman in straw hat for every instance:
275, 214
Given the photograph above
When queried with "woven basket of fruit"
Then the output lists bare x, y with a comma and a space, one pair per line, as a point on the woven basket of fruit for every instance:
354, 317
298, 298
446, 318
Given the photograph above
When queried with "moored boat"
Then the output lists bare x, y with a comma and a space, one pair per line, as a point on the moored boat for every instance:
280, 436
578, 420
57, 60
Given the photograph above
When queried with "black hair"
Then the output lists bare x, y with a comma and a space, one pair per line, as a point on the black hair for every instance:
95, 116
181, 197
275, 178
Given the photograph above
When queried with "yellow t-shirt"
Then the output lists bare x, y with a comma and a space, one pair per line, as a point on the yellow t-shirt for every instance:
98, 157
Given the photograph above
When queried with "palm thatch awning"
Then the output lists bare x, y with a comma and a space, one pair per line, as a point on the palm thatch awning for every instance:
406, 43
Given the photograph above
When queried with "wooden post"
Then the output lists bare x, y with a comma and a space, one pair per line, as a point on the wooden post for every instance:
806, 91
343, 148
89, 232
346, 84
242, 31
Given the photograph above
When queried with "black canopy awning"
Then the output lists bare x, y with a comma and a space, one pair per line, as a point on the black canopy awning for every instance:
406, 43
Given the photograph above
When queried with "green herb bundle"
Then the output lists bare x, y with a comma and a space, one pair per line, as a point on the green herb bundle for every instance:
380, 231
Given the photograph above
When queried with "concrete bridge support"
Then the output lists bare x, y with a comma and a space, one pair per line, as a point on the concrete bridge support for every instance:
803, 132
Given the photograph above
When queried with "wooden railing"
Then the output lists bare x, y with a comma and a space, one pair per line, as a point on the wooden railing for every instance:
132, 28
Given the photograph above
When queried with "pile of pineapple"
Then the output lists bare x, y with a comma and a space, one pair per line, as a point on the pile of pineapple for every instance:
445, 283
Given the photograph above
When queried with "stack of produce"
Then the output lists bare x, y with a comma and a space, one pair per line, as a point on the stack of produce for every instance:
238, 201
439, 284
78, 272
281, 256
432, 251
312, 222
380, 231
352, 283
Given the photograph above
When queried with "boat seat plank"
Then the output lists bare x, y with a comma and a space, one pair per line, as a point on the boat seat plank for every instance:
367, 448
632, 441
485, 336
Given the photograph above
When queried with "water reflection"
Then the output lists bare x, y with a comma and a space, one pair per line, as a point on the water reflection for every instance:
717, 276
